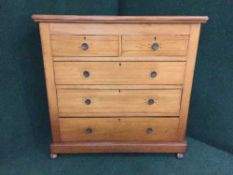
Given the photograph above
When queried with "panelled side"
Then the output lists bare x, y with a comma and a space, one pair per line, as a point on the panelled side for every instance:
50, 83
188, 80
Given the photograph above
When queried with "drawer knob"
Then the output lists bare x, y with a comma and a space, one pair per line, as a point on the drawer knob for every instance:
89, 130
150, 101
155, 46
86, 74
87, 101
153, 74
149, 130
84, 46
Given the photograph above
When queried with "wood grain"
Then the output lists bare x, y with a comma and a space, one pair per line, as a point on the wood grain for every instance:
118, 101
69, 45
121, 58
118, 129
141, 45
118, 19
50, 84
118, 29
119, 72
120, 87
189, 72
119, 147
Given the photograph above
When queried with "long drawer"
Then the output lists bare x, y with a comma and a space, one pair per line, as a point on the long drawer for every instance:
88, 102
118, 129
119, 72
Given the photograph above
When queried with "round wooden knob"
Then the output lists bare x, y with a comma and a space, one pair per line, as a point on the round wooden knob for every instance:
87, 101
86, 74
149, 130
150, 101
153, 74
155, 46
84, 46
88, 130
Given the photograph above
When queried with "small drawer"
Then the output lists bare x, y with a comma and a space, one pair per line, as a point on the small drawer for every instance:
118, 129
119, 72
154, 45
74, 45
93, 102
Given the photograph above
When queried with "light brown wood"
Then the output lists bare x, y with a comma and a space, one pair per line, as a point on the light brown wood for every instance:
116, 106
118, 19
118, 29
117, 114
121, 58
50, 84
119, 72
120, 45
119, 147
189, 72
141, 45
118, 129
70, 45
118, 101
117, 87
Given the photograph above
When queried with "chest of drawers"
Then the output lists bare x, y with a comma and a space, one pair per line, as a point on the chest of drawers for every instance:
118, 84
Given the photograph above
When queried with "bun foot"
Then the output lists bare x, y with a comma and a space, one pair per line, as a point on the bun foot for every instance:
180, 155
53, 156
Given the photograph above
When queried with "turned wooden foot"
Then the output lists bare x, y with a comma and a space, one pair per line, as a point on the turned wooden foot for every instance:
180, 155
53, 156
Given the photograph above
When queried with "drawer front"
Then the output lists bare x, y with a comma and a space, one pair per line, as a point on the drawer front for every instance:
118, 129
154, 45
71, 45
119, 72
82, 102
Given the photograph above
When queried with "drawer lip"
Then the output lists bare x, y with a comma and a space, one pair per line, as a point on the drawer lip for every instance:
121, 59
120, 87
117, 115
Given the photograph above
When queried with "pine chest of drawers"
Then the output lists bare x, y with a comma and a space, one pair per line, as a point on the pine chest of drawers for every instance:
118, 84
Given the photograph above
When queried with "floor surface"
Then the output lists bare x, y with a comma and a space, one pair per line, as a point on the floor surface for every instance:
201, 159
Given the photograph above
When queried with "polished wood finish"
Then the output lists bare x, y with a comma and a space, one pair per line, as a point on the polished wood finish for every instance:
118, 29
119, 84
189, 72
118, 147
119, 87
119, 19
50, 83
141, 45
69, 45
118, 102
119, 72
118, 129
121, 58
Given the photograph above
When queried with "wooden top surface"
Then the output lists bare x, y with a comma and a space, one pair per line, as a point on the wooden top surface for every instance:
119, 19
